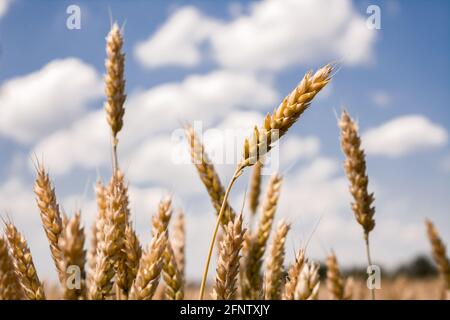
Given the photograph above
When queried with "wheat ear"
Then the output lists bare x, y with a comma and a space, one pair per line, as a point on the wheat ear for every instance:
50, 216
335, 282
255, 187
133, 251
308, 282
149, 271
98, 227
225, 286
179, 242
110, 247
275, 126
274, 268
171, 274
208, 175
115, 86
9, 284
23, 264
355, 168
72, 247
293, 275
252, 284
439, 252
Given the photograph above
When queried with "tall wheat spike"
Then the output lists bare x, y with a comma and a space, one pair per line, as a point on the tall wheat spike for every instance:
439, 252
9, 284
293, 276
355, 168
208, 175
23, 264
274, 266
274, 127
51, 217
74, 255
225, 286
133, 251
252, 284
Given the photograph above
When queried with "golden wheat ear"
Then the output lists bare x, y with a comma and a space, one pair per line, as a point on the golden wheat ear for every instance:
439, 252
9, 283
23, 264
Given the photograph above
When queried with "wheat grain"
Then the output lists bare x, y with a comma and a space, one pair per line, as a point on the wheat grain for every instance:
293, 276
252, 285
23, 264
228, 263
274, 266
133, 252
74, 255
439, 252
208, 175
50, 216
9, 284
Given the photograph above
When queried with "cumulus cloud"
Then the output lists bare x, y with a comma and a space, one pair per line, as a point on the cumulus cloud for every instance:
178, 41
40, 102
273, 35
404, 135
4, 6
153, 112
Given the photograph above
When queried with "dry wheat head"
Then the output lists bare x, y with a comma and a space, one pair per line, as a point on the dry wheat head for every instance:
9, 284
439, 252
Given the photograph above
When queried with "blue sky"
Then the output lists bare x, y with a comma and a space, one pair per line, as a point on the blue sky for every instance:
226, 64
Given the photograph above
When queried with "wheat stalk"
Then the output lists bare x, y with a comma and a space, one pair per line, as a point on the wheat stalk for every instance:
50, 216
439, 252
252, 284
208, 175
23, 264
72, 247
274, 268
179, 241
228, 263
9, 284
150, 265
274, 127
255, 187
293, 276
308, 282
355, 168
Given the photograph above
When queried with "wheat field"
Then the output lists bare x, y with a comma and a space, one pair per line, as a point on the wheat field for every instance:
251, 262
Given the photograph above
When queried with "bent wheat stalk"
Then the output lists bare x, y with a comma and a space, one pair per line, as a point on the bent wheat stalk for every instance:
274, 127
355, 168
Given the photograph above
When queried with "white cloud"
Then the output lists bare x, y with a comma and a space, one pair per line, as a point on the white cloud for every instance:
273, 35
4, 6
381, 98
38, 103
177, 41
157, 111
404, 135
